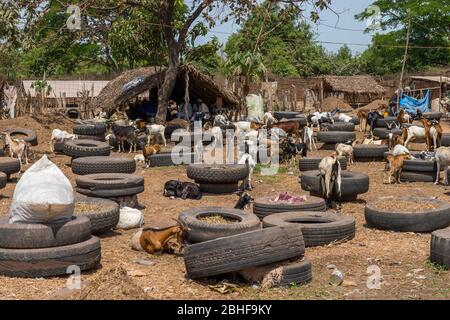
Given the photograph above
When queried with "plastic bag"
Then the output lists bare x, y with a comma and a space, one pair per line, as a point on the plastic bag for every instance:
42, 195
130, 218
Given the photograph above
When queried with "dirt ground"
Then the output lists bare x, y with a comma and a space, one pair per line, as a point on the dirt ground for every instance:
402, 257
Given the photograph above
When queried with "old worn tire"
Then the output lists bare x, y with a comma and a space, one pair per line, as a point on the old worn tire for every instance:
440, 247
353, 183
383, 122
100, 137
3, 180
35, 236
341, 126
355, 120
335, 136
27, 135
200, 231
309, 164
408, 176
111, 193
92, 165
86, 148
104, 219
318, 228
369, 151
263, 206
245, 250
93, 129
433, 115
445, 141
420, 165
383, 133
212, 174
412, 221
292, 273
58, 147
109, 181
219, 188
165, 159
285, 114
47, 262
301, 119
9, 165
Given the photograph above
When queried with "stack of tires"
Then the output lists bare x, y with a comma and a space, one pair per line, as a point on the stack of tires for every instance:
217, 179
244, 247
419, 170
91, 131
352, 184
45, 250
339, 132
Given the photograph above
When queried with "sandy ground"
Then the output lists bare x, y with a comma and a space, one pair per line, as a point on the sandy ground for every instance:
402, 257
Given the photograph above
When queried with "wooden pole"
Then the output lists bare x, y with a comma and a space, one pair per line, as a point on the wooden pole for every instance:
440, 92
405, 57
321, 94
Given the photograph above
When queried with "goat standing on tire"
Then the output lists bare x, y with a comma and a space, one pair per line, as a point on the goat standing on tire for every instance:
17, 147
330, 174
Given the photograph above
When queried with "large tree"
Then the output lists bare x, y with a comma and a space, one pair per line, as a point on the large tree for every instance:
429, 40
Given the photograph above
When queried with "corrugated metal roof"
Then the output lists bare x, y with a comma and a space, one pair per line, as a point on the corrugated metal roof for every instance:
70, 88
432, 78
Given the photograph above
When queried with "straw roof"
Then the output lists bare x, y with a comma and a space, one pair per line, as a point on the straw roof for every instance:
131, 83
354, 84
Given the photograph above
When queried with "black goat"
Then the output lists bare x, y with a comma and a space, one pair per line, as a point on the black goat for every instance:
244, 200
183, 190
290, 149
122, 134
372, 118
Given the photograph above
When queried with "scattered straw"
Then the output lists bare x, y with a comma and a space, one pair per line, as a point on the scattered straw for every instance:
217, 219
405, 206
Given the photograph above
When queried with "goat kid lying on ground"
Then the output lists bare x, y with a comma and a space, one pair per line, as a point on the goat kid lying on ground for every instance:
345, 150
125, 134
244, 200
442, 157
59, 136
17, 147
183, 190
154, 240
394, 166
330, 175
149, 150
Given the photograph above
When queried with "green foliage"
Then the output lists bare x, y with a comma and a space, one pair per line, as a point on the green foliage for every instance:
205, 57
430, 28
41, 86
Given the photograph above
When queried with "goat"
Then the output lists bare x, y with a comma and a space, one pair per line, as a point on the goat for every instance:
372, 118
343, 117
412, 133
128, 134
320, 118
59, 136
362, 116
394, 165
244, 200
269, 118
442, 157
330, 174
248, 160
403, 117
308, 135
156, 129
139, 158
149, 150
432, 130
290, 127
183, 190
17, 147
290, 149
345, 150
153, 240
246, 126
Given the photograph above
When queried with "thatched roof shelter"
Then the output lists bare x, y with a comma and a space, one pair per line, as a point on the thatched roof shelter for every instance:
131, 83
353, 84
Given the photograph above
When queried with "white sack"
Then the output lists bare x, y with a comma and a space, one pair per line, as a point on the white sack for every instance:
43, 194
130, 218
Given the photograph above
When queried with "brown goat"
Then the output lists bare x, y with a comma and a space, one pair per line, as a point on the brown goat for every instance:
394, 165
149, 150
432, 131
290, 127
153, 240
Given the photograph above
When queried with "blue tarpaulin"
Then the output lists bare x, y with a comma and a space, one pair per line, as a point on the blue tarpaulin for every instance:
411, 104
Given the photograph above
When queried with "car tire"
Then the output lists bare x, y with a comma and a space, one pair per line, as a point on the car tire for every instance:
245, 250
200, 231
86, 148
218, 188
263, 206
409, 176
30, 135
433, 115
353, 184
165, 159
47, 262
445, 141
412, 221
285, 114
383, 122
9, 165
105, 218
383, 133
222, 174
310, 164
286, 274
341, 126
35, 236
92, 165
3, 180
109, 181
369, 151
420, 165
335, 136
318, 228
440, 247
100, 137
93, 129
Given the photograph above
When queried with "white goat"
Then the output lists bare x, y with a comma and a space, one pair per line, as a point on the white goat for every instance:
442, 157
269, 118
330, 173
415, 132
343, 117
308, 135
59, 136
156, 129
250, 162
17, 147
400, 149
345, 150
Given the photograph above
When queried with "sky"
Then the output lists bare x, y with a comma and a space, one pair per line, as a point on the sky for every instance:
326, 29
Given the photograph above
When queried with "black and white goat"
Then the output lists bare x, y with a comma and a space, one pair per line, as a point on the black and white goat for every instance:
244, 200
250, 162
330, 175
